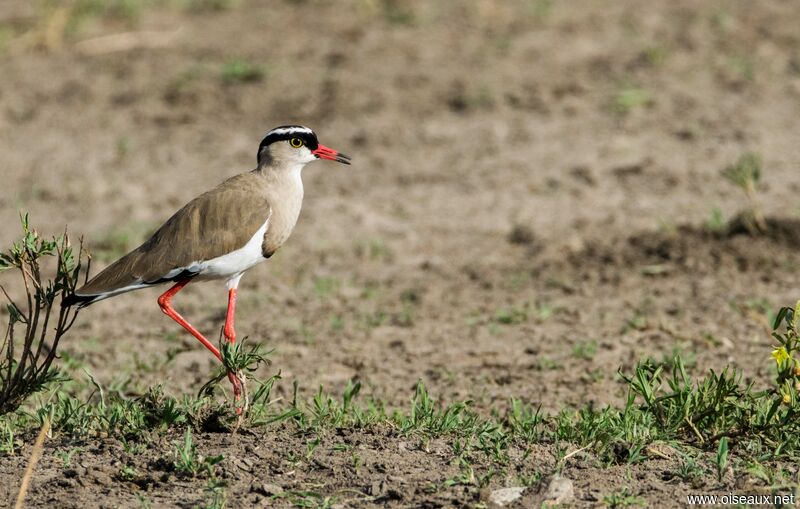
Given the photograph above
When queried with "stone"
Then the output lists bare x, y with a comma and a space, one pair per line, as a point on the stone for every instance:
559, 490
270, 489
505, 496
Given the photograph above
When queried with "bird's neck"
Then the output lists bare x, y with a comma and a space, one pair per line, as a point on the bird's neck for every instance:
284, 190
284, 181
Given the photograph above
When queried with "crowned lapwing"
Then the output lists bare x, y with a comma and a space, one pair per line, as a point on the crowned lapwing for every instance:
221, 233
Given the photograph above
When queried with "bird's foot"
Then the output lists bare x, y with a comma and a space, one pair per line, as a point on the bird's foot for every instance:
241, 399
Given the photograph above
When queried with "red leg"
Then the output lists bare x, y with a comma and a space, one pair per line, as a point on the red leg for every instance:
166, 306
230, 334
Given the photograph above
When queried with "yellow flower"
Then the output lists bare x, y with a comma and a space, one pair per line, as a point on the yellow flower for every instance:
787, 399
780, 355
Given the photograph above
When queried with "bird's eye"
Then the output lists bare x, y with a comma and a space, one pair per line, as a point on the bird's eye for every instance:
296, 142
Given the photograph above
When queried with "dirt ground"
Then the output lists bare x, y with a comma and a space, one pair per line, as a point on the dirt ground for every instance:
527, 211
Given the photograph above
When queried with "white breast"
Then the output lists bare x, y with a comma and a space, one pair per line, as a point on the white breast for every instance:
233, 264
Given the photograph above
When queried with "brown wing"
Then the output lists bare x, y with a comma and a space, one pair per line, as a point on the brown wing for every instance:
211, 225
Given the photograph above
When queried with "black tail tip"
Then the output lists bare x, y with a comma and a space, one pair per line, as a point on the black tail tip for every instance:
74, 299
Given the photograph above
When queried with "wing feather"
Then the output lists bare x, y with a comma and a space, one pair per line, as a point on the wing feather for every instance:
213, 224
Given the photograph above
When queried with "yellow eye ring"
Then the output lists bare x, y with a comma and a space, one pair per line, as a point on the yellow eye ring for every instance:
296, 142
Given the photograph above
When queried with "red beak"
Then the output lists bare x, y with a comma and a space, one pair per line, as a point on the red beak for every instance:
324, 152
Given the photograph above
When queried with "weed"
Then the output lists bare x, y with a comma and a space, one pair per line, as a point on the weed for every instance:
746, 175
466, 476
326, 286
756, 469
585, 350
7, 438
689, 470
630, 98
542, 311
374, 249
188, 461
622, 498
66, 456
307, 499
337, 323
525, 422
636, 322
375, 319
716, 221
143, 502
548, 364
311, 446
237, 359
530, 480
241, 71
216, 492
128, 473
722, 457
430, 418
511, 316
43, 321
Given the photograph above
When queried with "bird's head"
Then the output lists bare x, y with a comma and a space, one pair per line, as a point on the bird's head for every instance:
293, 146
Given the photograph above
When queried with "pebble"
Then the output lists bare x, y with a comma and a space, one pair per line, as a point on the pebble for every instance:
559, 491
505, 496
269, 489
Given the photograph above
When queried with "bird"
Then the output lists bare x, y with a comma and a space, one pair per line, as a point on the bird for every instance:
220, 234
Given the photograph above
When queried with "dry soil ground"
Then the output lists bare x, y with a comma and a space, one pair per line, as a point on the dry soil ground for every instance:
527, 212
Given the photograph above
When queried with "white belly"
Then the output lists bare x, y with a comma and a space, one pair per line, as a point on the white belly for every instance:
233, 264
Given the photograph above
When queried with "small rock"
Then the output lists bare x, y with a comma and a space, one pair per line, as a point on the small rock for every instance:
270, 489
505, 496
559, 491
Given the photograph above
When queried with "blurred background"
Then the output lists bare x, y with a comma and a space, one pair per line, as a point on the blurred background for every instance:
538, 193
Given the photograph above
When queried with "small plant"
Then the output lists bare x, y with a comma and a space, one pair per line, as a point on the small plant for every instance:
66, 456
511, 315
241, 363
128, 473
630, 98
622, 498
746, 174
188, 461
716, 221
216, 490
7, 438
143, 502
585, 350
722, 458
241, 71
31, 339
689, 470
787, 377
